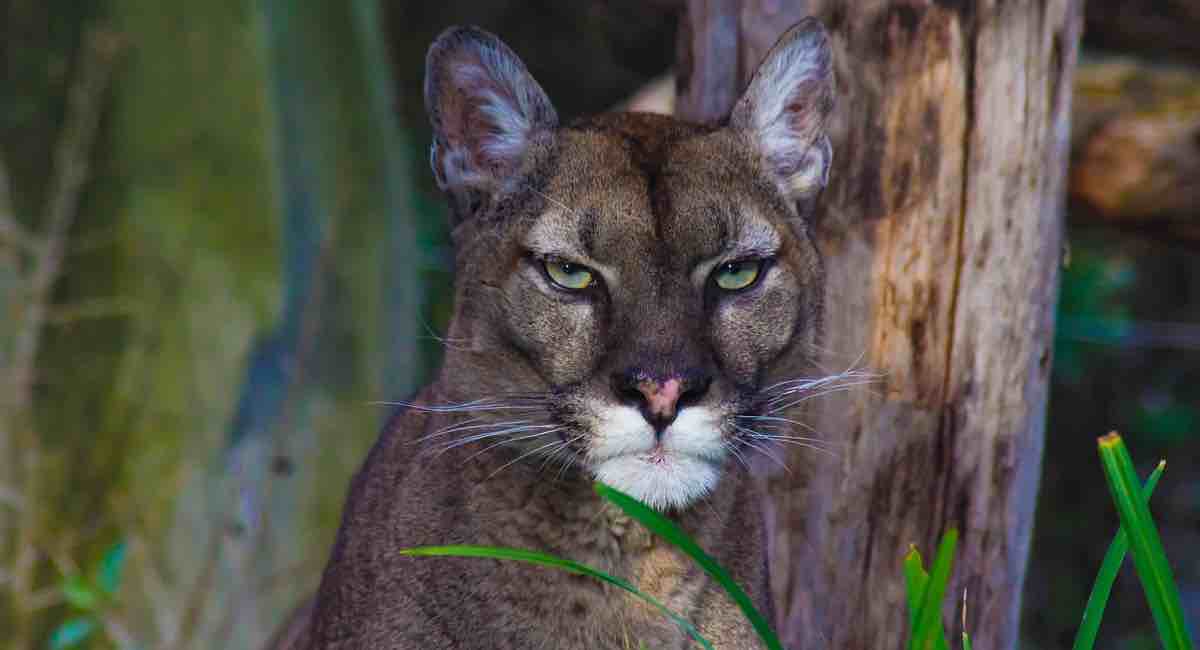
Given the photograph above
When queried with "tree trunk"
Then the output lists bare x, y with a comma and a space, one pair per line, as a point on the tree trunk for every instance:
942, 233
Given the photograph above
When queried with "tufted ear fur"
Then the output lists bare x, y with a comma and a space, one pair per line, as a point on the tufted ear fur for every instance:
784, 108
485, 109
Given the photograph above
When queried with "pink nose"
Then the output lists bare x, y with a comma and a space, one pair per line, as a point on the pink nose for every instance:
661, 398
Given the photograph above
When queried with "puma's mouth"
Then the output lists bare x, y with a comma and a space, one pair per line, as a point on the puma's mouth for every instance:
667, 471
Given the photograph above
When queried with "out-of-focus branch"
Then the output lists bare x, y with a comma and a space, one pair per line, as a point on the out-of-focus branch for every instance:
68, 176
91, 309
12, 233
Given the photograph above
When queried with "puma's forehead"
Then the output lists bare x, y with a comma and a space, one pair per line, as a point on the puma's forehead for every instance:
643, 186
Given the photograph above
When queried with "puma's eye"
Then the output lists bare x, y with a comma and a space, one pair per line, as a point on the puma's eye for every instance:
567, 275
732, 276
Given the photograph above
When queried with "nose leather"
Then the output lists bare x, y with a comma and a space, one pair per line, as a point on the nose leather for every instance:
661, 397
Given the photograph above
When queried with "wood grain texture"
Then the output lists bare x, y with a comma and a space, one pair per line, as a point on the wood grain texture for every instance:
942, 232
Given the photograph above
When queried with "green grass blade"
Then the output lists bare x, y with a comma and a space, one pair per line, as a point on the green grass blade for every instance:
917, 581
929, 617
543, 559
1085, 638
667, 530
966, 641
1149, 558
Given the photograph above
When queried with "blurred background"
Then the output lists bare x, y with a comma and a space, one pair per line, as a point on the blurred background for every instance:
220, 245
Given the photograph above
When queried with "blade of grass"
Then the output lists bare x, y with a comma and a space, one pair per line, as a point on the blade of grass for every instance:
966, 644
1149, 558
1085, 638
543, 559
917, 581
667, 530
929, 616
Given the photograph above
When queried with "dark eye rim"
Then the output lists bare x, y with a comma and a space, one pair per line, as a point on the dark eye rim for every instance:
541, 261
764, 264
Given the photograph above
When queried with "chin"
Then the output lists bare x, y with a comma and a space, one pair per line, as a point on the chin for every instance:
661, 481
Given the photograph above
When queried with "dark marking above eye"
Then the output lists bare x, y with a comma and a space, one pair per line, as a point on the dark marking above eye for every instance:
587, 227
705, 248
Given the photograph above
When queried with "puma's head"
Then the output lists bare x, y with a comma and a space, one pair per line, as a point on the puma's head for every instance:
637, 297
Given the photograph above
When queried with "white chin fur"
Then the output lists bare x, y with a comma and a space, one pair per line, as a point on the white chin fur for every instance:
684, 468
672, 482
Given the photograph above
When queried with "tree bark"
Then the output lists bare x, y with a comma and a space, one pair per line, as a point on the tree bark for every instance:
942, 232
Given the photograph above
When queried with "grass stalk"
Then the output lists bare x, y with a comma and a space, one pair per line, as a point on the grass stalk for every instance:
543, 559
1149, 558
666, 529
1085, 638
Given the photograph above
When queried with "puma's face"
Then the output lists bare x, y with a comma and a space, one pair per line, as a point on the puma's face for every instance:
637, 287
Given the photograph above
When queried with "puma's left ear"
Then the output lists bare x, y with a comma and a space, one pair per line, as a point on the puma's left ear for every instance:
783, 111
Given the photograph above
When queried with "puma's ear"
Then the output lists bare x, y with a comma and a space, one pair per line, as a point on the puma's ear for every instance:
485, 109
783, 112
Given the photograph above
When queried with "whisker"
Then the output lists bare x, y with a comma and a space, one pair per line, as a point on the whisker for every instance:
505, 401
801, 400
815, 442
449, 343
774, 418
568, 461
522, 456
785, 389
463, 426
554, 454
737, 455
849, 373
493, 434
461, 409
770, 429
805, 445
506, 441
553, 200
799, 441
764, 451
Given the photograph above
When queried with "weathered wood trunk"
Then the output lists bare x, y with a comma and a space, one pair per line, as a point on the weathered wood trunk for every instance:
942, 232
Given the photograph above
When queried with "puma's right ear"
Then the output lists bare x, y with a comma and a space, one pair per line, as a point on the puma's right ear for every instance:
783, 111
485, 109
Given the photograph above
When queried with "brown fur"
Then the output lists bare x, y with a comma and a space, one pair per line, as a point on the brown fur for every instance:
647, 199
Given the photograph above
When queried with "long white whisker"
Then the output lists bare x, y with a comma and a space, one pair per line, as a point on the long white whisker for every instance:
551, 455
799, 441
545, 428
801, 400
764, 451
813, 382
470, 425
772, 418
524, 455
507, 441
568, 461
770, 430
825, 385
805, 445
736, 454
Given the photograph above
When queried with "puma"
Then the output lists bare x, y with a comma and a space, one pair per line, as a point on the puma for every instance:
637, 302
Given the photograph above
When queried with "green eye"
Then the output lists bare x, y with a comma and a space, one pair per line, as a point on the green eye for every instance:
568, 275
732, 276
